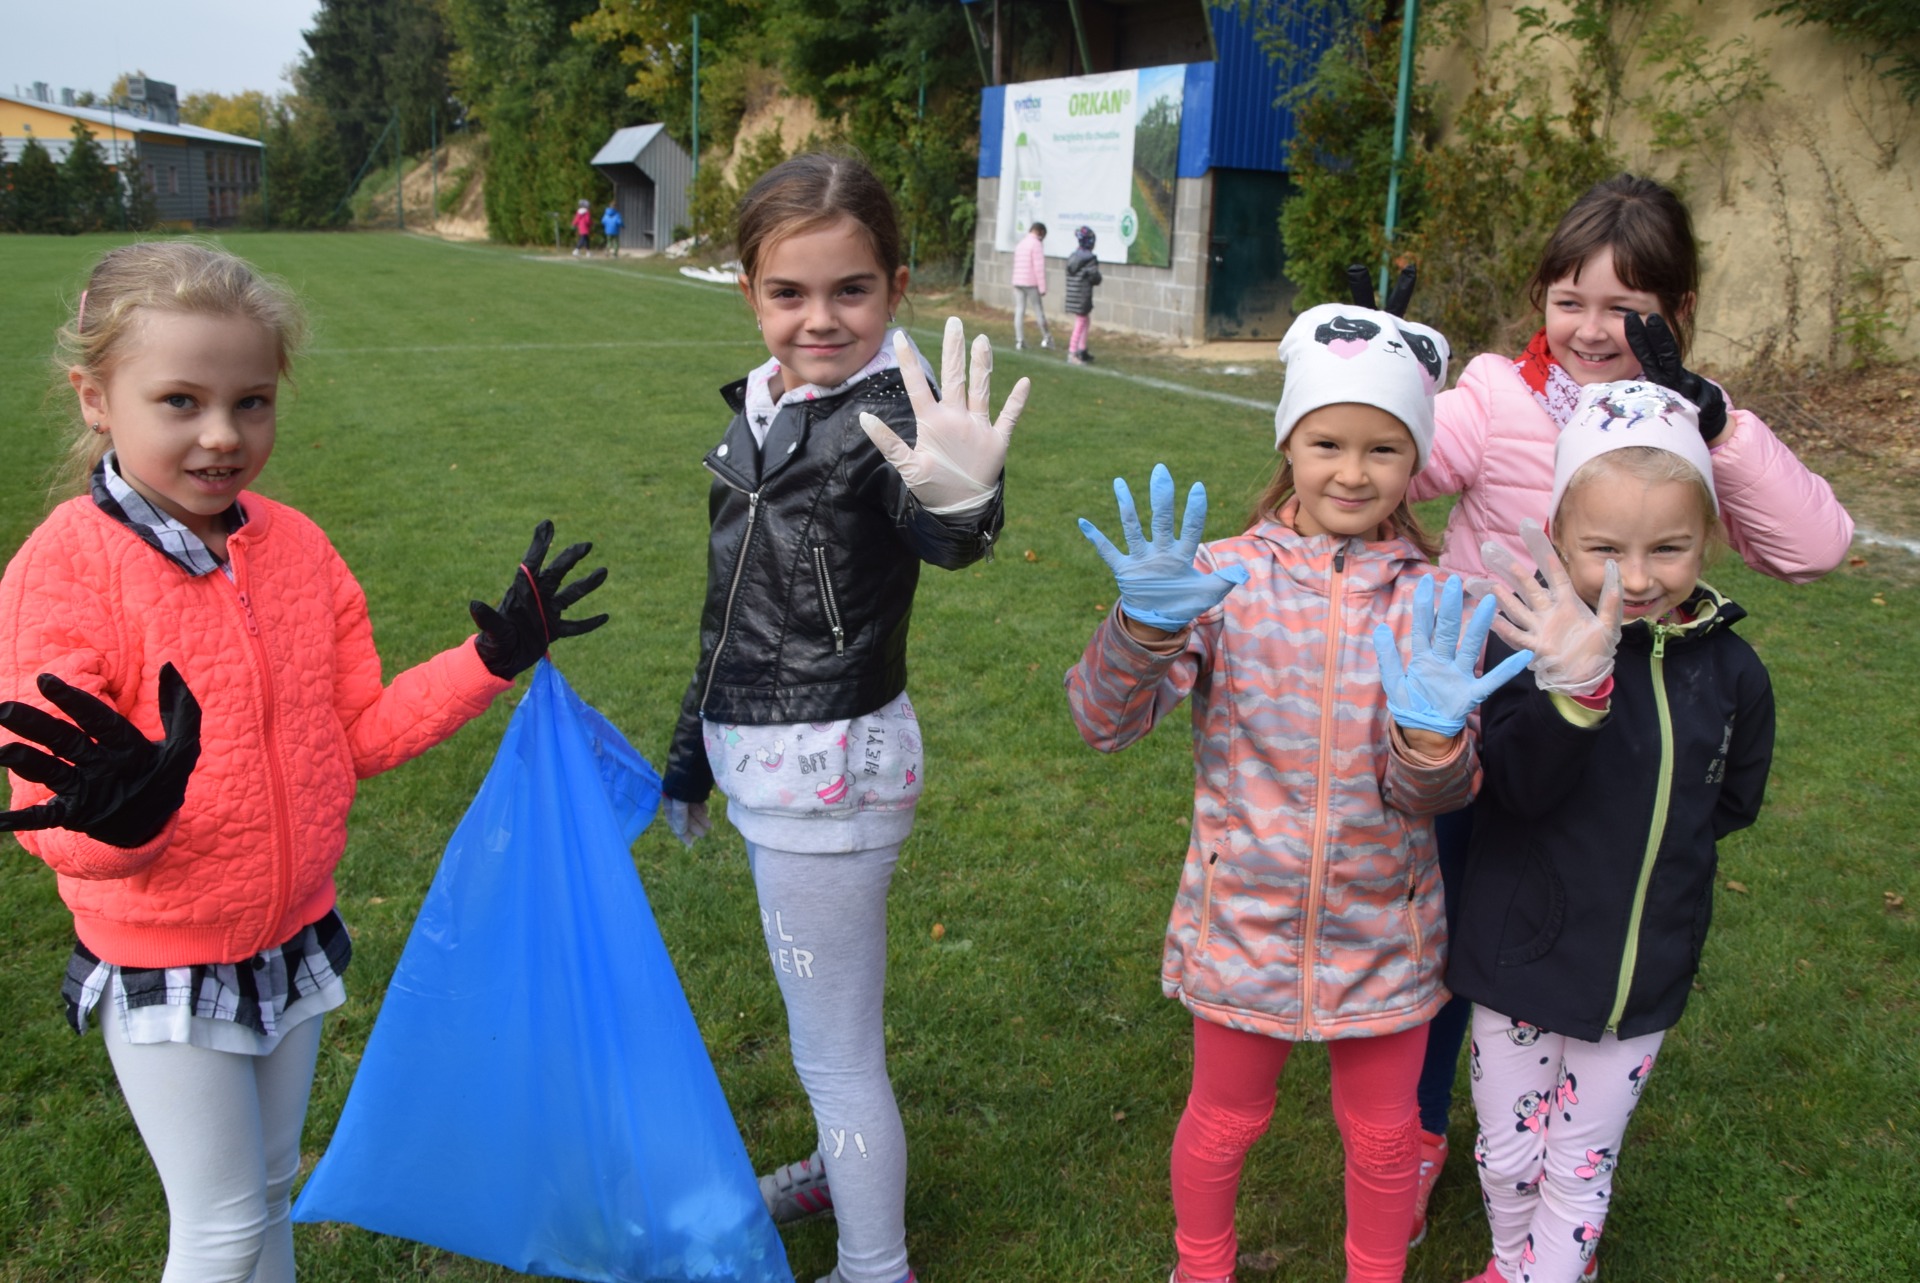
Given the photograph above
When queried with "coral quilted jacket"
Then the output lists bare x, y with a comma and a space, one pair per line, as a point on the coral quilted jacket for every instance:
1310, 905
1493, 446
282, 660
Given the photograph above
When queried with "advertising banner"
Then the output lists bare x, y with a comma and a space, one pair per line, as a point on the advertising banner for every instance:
1093, 151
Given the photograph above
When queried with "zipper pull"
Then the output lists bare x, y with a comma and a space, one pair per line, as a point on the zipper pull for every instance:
1340, 559
839, 639
1659, 641
986, 539
246, 607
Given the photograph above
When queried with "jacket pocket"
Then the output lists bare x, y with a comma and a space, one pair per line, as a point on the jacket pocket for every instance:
1536, 911
829, 601
1206, 902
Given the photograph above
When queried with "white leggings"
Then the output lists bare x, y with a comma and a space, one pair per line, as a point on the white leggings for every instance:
224, 1131
1553, 1111
825, 919
1022, 296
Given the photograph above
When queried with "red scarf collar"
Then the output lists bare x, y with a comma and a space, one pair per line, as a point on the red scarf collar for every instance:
1536, 363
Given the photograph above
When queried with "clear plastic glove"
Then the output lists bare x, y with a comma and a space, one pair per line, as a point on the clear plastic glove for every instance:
688, 820
958, 453
1572, 646
1435, 689
1159, 585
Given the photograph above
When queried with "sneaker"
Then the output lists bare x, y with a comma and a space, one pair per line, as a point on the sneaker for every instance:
797, 1191
836, 1277
1491, 1274
1020, 345
1046, 340
1178, 1277
1075, 358
1433, 1156
1086, 356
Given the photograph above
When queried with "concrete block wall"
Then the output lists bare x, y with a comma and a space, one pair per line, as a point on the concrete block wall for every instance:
1162, 302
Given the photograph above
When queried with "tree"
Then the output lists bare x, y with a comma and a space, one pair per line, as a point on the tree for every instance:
369, 61
90, 187
244, 113
38, 203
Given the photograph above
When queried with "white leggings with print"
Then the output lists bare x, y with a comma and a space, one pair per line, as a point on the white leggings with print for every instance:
1553, 1111
825, 919
224, 1132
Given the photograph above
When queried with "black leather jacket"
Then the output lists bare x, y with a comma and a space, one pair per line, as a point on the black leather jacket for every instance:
812, 561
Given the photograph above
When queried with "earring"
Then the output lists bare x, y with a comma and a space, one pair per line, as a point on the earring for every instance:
98, 429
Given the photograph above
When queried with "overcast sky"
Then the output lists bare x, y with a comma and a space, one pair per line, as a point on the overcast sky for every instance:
219, 46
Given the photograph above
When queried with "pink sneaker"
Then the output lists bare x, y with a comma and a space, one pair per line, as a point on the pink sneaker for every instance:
1491, 1274
1433, 1156
1178, 1277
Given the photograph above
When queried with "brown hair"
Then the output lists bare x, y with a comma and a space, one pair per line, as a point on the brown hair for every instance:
1651, 235
1280, 489
1650, 466
184, 276
812, 190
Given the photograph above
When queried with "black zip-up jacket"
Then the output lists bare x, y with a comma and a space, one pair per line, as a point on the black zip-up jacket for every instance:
1083, 273
1589, 882
812, 561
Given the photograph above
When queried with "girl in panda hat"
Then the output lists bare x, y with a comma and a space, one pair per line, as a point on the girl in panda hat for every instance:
1641, 737
1332, 705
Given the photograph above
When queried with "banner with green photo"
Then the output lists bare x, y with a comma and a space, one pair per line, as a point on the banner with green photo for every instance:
1093, 151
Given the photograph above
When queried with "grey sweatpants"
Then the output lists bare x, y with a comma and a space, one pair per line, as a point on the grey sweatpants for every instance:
825, 919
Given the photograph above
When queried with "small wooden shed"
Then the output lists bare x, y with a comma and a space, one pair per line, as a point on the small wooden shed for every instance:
652, 179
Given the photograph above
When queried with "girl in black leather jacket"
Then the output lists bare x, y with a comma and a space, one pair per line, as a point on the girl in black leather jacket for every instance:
838, 475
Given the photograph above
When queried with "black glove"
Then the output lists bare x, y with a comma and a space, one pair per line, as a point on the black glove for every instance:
109, 781
1360, 285
514, 637
1658, 352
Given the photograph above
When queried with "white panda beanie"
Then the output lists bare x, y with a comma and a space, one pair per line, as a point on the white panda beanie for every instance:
1337, 352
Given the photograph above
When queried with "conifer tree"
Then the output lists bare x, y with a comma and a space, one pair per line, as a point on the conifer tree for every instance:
90, 186
39, 205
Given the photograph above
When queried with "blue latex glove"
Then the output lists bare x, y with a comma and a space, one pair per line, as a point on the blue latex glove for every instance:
1159, 586
1436, 689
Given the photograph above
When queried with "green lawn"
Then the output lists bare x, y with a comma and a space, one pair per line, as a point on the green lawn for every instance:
455, 395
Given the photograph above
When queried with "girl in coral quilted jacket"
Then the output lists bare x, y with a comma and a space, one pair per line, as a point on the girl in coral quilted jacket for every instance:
191, 693
1309, 908
1624, 252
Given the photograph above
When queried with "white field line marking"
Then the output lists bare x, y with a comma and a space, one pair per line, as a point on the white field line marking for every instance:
1865, 535
532, 347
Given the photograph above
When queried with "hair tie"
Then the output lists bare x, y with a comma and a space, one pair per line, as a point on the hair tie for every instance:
80, 321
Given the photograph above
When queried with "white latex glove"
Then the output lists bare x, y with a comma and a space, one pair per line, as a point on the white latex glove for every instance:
688, 820
958, 452
1572, 646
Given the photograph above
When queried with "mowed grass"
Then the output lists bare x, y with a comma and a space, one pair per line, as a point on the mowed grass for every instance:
455, 395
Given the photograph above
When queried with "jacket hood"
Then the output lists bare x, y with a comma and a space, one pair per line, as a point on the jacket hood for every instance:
1369, 565
1708, 611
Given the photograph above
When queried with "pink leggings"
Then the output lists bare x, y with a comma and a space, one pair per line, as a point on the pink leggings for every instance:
1235, 1076
1077, 341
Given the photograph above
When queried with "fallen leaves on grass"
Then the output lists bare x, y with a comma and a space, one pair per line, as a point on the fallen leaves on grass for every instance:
1739, 888
1894, 901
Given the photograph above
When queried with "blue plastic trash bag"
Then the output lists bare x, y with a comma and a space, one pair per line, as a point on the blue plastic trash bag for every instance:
535, 1092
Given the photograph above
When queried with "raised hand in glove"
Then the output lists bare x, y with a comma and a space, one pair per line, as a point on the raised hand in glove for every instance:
109, 781
1159, 585
1572, 645
1658, 352
1435, 689
1360, 285
514, 637
955, 461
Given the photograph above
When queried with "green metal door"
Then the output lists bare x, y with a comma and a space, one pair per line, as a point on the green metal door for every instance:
1248, 294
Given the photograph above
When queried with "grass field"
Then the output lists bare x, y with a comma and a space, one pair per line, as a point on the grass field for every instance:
454, 395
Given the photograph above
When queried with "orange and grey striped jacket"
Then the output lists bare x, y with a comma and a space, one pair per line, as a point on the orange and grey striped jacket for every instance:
1310, 905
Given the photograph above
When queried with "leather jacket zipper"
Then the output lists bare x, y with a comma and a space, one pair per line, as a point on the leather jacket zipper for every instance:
828, 600
733, 587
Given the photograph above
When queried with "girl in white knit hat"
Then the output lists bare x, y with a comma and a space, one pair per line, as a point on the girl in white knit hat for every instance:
1641, 735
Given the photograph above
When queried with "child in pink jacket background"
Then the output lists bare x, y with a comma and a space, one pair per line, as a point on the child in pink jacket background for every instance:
1030, 285
1309, 908
1624, 251
170, 599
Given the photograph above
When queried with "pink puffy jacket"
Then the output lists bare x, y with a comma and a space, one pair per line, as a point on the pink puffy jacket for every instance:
1310, 905
1030, 263
1493, 446
281, 658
